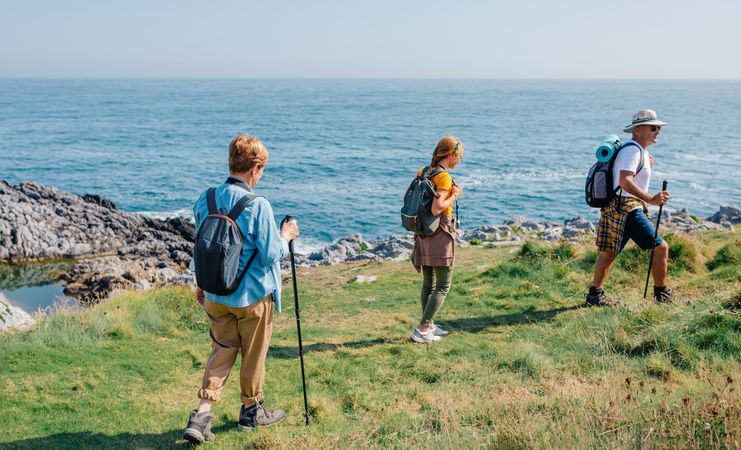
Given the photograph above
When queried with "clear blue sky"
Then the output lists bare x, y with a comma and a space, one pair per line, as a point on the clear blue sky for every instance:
371, 39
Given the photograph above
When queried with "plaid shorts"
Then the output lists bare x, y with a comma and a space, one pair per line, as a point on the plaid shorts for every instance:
612, 222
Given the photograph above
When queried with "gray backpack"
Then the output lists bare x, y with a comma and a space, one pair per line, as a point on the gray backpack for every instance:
598, 191
218, 246
416, 214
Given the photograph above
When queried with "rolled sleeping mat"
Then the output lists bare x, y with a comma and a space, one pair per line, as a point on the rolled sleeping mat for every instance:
608, 148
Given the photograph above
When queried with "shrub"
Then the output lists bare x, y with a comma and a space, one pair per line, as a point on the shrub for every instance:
536, 249
474, 242
730, 255
716, 331
564, 251
658, 366
682, 254
733, 303
533, 249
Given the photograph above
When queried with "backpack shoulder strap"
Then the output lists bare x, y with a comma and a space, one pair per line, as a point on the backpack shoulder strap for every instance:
241, 204
211, 201
643, 155
241, 275
643, 161
423, 173
436, 172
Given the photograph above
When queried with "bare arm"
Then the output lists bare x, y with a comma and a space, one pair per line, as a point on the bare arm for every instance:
441, 203
629, 185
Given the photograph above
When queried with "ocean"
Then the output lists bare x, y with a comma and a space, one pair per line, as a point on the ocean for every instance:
342, 152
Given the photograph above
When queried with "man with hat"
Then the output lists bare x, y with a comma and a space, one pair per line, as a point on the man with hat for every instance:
626, 215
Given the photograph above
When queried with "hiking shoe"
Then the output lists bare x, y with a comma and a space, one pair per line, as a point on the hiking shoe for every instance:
596, 297
424, 337
258, 416
437, 331
663, 294
199, 428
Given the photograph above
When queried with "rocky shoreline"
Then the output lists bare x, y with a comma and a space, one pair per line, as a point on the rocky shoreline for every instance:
114, 249
512, 231
118, 250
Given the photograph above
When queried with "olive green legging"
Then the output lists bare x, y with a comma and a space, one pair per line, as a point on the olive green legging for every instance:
432, 299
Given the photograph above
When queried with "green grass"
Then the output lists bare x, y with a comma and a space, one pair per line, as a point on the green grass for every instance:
524, 366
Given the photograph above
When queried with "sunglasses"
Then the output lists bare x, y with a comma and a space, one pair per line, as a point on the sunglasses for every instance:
655, 128
455, 149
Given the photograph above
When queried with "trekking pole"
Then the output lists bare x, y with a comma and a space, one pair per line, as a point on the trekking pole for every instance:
298, 321
656, 234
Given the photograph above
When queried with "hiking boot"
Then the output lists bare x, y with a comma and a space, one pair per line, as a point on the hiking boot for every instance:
424, 337
596, 297
663, 294
258, 416
199, 428
437, 331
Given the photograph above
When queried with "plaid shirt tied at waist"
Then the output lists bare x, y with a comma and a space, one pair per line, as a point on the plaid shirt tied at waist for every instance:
612, 222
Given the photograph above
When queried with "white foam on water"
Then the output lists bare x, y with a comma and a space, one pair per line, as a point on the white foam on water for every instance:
307, 246
186, 213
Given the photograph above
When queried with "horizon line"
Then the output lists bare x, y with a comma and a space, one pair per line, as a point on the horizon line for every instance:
204, 78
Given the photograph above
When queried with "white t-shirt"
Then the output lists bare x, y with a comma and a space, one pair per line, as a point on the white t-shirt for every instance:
629, 159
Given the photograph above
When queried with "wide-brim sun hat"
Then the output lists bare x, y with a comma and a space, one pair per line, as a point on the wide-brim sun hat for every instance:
644, 117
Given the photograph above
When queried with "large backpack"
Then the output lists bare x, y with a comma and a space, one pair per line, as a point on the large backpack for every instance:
218, 246
416, 214
599, 186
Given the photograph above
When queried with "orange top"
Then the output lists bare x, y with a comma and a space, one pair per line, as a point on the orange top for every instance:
442, 180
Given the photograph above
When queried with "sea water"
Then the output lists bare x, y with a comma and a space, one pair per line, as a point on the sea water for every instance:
342, 152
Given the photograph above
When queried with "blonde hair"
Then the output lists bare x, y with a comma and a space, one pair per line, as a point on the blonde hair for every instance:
246, 152
445, 148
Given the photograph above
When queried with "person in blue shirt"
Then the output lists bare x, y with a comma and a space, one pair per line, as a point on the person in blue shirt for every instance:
242, 321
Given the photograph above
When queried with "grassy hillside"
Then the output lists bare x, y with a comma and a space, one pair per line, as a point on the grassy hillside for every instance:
524, 366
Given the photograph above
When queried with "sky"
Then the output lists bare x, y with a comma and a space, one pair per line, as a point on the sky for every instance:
541, 39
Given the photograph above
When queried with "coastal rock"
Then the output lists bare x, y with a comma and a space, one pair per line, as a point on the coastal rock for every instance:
339, 251
393, 248
39, 222
553, 234
532, 226
515, 220
94, 279
727, 213
579, 223
129, 251
488, 229
364, 279
13, 318
515, 229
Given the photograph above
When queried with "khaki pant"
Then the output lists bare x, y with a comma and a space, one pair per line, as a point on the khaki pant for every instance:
247, 329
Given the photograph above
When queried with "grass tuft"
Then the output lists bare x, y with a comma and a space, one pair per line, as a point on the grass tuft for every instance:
682, 254
728, 256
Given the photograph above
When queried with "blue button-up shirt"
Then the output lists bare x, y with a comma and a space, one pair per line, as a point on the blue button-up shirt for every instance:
259, 231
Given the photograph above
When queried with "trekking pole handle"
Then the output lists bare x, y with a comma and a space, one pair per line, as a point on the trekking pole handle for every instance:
663, 185
286, 219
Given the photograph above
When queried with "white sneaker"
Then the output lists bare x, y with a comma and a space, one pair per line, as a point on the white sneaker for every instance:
424, 337
437, 331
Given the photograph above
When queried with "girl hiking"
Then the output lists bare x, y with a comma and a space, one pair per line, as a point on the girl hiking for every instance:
434, 255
